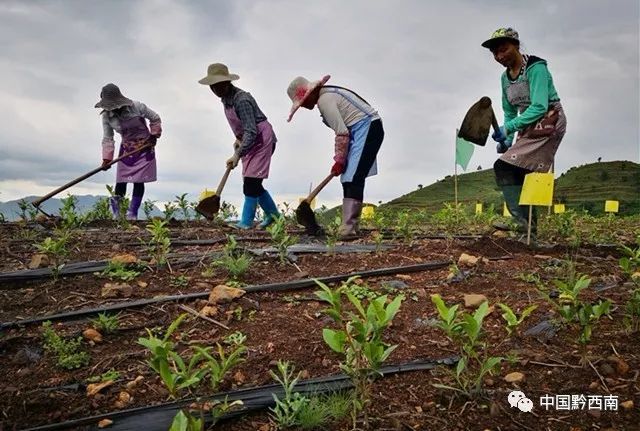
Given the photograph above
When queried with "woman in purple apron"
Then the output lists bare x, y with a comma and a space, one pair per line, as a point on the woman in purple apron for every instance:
359, 135
532, 108
255, 143
128, 118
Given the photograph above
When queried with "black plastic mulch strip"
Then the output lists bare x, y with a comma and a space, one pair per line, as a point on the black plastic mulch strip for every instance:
159, 417
271, 287
323, 248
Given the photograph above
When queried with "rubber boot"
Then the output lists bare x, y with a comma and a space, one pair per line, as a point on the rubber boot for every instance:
351, 210
248, 213
134, 206
269, 208
519, 213
114, 202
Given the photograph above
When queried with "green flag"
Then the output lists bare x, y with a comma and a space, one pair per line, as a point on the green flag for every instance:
464, 151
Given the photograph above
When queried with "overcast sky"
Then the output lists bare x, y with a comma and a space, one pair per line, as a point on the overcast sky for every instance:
419, 63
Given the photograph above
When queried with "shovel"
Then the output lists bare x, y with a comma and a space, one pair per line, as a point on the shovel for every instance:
304, 213
39, 202
210, 205
476, 124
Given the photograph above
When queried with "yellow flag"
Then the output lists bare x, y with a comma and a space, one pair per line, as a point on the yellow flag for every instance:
478, 208
611, 206
367, 212
558, 208
537, 189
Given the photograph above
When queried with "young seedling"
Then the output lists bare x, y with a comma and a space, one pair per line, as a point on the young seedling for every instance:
359, 339
465, 330
159, 244
100, 210
120, 271
112, 375
69, 352
56, 250
332, 231
27, 211
378, 238
148, 207
179, 282
169, 211
286, 410
280, 239
632, 312
183, 204
217, 368
512, 320
107, 324
234, 259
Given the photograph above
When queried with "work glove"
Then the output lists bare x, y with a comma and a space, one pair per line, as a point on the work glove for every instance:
236, 145
499, 135
233, 161
337, 169
105, 164
502, 147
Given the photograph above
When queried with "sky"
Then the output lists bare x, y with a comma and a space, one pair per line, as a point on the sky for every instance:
420, 64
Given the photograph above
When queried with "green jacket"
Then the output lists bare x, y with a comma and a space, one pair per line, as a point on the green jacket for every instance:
530, 94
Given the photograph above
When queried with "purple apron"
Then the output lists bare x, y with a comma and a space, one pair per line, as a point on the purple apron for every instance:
255, 164
139, 167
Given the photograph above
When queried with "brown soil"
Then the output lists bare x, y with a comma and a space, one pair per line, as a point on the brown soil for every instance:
288, 326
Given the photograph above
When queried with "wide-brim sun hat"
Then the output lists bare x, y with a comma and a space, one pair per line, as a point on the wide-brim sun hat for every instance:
111, 98
218, 72
300, 88
501, 35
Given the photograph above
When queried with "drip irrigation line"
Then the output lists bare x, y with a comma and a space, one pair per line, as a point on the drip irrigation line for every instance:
159, 417
271, 287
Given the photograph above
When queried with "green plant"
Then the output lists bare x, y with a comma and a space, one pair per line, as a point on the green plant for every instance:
169, 210
27, 211
630, 262
68, 212
513, 321
184, 205
105, 323
218, 368
69, 352
159, 243
196, 214
148, 207
359, 339
236, 338
512, 358
280, 239
119, 271
359, 290
185, 421
181, 281
573, 310
404, 227
286, 410
377, 239
465, 330
112, 375
175, 373
55, 249
124, 204
234, 259
332, 232
99, 211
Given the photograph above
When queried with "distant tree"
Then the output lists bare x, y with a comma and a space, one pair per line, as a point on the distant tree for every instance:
479, 168
419, 186
599, 159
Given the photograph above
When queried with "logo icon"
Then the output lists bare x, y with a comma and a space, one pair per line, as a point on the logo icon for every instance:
519, 399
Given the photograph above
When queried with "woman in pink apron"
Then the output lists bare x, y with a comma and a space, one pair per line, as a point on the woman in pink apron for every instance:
128, 118
255, 143
359, 135
532, 109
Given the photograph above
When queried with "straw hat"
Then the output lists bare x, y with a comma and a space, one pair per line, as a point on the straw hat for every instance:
218, 72
111, 98
500, 35
299, 90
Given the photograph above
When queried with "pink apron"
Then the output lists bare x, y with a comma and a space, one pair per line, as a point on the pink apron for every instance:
255, 164
140, 167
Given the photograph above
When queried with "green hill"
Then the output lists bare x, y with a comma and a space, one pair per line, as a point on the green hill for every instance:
582, 187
